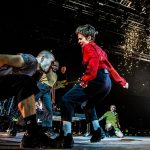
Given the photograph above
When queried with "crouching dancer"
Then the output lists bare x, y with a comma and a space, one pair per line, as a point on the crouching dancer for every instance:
16, 73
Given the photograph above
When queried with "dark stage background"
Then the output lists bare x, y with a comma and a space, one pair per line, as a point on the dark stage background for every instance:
30, 26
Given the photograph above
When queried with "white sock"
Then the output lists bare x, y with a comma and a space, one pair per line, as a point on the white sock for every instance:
66, 127
95, 124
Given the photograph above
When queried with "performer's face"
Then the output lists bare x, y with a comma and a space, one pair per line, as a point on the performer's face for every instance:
55, 66
82, 40
63, 69
113, 108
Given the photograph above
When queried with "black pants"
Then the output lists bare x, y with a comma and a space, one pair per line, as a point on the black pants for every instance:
20, 86
96, 91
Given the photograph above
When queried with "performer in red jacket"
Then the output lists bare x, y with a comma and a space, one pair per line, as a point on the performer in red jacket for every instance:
94, 86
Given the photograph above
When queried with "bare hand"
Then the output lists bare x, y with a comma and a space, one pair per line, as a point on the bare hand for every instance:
83, 84
126, 86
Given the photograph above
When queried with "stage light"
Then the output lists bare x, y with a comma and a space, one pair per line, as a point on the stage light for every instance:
135, 48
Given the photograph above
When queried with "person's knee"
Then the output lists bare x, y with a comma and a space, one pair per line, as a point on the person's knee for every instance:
108, 126
27, 106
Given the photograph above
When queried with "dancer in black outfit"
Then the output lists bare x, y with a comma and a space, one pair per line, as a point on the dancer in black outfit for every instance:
16, 73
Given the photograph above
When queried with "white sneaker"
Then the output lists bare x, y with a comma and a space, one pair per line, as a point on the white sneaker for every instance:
119, 134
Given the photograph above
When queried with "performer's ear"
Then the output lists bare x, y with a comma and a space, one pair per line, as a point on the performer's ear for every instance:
89, 38
42, 59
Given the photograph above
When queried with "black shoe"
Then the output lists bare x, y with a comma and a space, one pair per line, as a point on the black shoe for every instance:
29, 141
96, 137
60, 140
39, 140
64, 141
12, 132
68, 141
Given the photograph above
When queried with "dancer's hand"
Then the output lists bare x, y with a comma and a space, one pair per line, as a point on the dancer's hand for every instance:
83, 84
126, 86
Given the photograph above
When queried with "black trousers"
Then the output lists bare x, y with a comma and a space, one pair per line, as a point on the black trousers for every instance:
20, 86
96, 91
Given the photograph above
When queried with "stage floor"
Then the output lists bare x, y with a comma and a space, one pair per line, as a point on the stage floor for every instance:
113, 143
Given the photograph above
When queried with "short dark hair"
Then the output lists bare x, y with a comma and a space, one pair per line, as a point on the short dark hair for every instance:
87, 30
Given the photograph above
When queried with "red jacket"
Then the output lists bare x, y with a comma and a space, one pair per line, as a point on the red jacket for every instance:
95, 59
